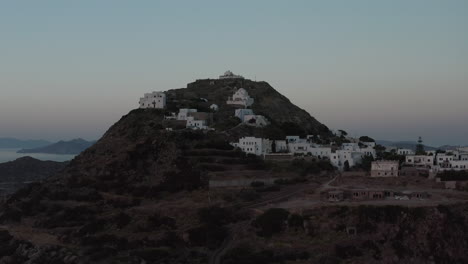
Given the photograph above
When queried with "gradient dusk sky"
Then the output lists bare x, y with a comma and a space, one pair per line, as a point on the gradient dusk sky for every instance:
394, 69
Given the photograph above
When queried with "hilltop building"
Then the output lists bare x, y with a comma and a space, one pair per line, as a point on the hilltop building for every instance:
230, 75
153, 100
384, 168
240, 97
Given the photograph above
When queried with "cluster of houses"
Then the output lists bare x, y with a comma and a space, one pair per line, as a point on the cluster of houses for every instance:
245, 114
432, 162
346, 156
203, 120
349, 155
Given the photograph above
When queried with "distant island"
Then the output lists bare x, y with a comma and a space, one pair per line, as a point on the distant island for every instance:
72, 147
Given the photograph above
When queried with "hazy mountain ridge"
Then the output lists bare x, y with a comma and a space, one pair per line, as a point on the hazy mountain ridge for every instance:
412, 145
19, 143
71, 147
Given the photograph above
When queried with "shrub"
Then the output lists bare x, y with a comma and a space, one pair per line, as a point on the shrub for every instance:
296, 221
215, 216
271, 222
257, 184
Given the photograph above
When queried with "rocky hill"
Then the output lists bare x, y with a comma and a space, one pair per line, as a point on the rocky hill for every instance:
140, 195
75, 146
286, 117
15, 174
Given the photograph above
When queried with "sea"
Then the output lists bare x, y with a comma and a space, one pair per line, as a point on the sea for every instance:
11, 154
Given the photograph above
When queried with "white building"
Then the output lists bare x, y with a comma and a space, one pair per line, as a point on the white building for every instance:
441, 158
256, 120
241, 113
214, 107
405, 152
300, 147
350, 146
340, 157
230, 75
293, 139
321, 152
253, 145
384, 168
153, 100
240, 97
192, 123
420, 160
280, 146
369, 144
184, 113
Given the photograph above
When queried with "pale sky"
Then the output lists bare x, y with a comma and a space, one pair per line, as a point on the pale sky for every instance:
388, 69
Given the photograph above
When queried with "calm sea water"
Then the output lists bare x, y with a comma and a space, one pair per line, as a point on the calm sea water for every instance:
10, 154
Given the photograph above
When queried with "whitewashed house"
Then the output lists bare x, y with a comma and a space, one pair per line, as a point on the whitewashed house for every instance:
253, 145
214, 107
384, 168
300, 147
350, 146
369, 144
184, 113
293, 139
153, 100
340, 157
241, 113
441, 158
405, 152
240, 97
256, 120
280, 146
321, 152
194, 124
420, 160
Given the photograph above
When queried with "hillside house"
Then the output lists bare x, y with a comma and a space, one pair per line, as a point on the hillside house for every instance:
420, 160
384, 168
241, 113
405, 152
256, 120
240, 97
184, 113
153, 100
214, 107
279, 146
253, 145
194, 124
321, 152
293, 139
441, 158
199, 120
300, 147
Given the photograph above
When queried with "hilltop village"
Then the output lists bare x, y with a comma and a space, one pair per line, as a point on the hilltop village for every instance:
346, 155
